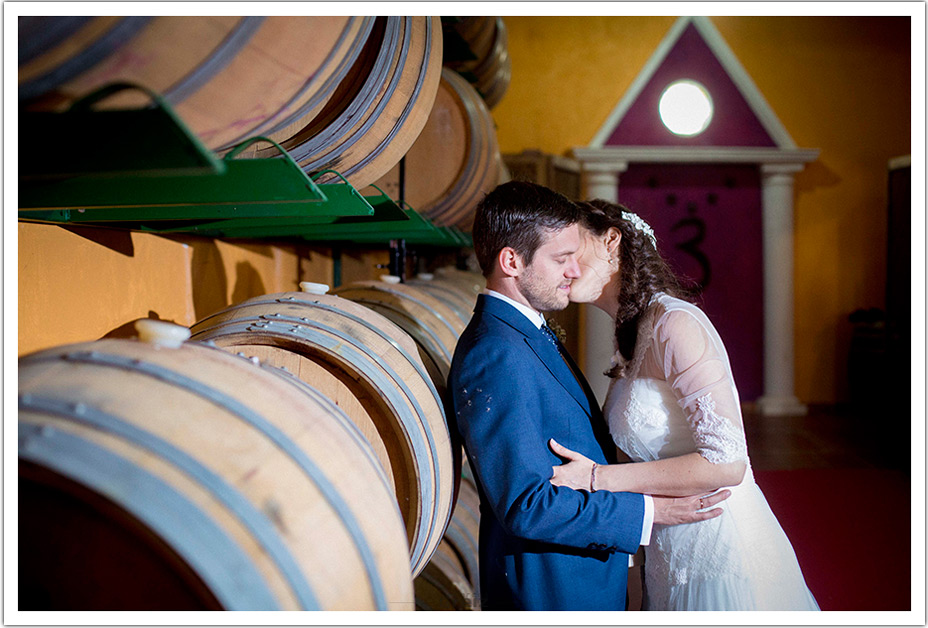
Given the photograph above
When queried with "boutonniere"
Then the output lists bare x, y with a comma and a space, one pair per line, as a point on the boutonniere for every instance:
557, 329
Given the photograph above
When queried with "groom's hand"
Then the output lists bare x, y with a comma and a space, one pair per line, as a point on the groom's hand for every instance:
675, 510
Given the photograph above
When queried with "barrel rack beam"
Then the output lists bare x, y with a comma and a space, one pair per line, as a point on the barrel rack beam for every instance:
143, 170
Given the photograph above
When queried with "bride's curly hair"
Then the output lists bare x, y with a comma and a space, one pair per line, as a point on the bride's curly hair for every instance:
643, 273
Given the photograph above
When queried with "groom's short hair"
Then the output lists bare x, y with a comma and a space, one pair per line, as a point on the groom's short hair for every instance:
516, 214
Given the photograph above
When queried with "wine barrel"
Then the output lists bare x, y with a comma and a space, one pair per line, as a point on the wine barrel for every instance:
477, 33
380, 108
228, 78
171, 475
456, 288
455, 161
448, 293
469, 282
494, 71
372, 370
433, 325
491, 68
443, 585
464, 530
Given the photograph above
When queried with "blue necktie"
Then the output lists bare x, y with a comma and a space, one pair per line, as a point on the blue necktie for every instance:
552, 338
549, 334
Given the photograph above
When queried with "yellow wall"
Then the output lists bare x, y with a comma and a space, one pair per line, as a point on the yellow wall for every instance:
838, 84
81, 284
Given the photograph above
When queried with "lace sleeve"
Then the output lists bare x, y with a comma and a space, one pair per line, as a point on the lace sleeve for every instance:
694, 363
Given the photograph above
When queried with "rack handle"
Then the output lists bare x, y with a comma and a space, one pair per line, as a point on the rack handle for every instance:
85, 103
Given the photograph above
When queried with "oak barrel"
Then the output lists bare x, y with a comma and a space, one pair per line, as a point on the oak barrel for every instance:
447, 292
157, 475
228, 78
494, 72
476, 32
469, 282
433, 325
455, 161
456, 288
443, 584
451, 581
380, 107
372, 370
464, 530
490, 70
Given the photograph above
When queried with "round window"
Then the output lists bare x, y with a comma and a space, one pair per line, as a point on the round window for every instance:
686, 108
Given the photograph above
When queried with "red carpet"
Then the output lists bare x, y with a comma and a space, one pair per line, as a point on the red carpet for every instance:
851, 532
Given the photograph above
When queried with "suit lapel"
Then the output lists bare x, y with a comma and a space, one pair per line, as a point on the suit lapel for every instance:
554, 362
587, 391
542, 348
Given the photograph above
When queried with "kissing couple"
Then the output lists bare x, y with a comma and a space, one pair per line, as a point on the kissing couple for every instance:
559, 514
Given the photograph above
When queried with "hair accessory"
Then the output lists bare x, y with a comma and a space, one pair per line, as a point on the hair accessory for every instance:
640, 225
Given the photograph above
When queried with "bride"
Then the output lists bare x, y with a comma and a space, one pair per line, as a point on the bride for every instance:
673, 408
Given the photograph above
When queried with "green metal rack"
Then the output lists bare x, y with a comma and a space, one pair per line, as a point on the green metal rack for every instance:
144, 170
84, 140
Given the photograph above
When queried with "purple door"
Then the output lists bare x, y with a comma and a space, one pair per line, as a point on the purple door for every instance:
707, 219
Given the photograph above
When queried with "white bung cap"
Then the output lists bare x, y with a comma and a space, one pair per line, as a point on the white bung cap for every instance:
161, 333
314, 288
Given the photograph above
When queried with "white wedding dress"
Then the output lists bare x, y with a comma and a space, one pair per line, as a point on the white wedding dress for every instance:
679, 397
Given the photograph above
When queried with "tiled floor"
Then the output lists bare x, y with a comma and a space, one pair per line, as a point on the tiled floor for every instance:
829, 437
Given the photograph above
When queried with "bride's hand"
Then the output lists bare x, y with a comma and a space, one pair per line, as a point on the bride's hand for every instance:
576, 472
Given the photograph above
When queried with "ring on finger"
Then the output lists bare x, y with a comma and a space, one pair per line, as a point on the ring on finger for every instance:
700, 504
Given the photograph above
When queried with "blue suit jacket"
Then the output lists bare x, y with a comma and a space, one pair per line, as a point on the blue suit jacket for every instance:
541, 546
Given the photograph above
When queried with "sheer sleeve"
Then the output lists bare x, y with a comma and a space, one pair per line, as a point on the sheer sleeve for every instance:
695, 365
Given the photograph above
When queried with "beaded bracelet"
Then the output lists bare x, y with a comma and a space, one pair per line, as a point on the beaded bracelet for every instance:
593, 478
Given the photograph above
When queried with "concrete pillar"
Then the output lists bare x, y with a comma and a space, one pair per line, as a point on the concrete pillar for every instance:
777, 201
600, 181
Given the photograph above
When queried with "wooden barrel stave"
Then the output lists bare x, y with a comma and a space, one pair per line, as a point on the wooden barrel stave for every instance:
362, 89
432, 324
228, 78
371, 127
491, 69
277, 453
477, 32
372, 368
463, 532
495, 72
321, 87
469, 282
443, 585
51, 61
448, 293
455, 160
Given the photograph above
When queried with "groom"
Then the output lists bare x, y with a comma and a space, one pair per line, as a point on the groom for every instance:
510, 389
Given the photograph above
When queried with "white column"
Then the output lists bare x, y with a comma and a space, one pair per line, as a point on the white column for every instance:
777, 201
600, 181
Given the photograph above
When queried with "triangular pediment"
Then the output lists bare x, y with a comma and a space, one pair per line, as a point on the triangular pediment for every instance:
694, 49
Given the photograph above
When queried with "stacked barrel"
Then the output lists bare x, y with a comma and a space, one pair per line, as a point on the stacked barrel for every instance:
351, 94
343, 93
290, 451
292, 454
489, 67
372, 369
455, 160
157, 476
